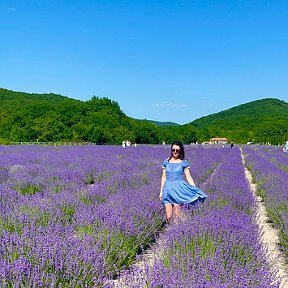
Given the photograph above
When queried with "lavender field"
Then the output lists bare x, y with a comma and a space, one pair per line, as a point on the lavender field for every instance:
80, 216
269, 166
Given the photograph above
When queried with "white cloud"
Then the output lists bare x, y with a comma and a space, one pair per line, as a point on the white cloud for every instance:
170, 105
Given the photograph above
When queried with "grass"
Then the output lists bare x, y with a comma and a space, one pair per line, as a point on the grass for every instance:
10, 225
28, 189
68, 212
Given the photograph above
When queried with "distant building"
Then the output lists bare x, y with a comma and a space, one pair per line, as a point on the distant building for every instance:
218, 141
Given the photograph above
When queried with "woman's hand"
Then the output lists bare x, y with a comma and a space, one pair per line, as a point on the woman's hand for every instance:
160, 196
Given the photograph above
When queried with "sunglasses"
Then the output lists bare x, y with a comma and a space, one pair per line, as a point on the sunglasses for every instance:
175, 150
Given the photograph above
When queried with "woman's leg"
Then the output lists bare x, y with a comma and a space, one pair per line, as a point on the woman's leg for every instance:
168, 212
177, 211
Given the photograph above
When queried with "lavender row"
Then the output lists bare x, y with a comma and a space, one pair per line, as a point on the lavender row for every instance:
272, 186
273, 154
74, 216
217, 244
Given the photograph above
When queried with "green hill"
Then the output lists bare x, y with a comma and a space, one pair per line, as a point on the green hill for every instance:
52, 117
161, 124
260, 121
11, 100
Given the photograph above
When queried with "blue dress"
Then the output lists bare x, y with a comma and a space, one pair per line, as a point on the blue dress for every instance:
176, 190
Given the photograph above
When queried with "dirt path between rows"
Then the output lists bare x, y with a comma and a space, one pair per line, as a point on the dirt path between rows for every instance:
270, 236
147, 258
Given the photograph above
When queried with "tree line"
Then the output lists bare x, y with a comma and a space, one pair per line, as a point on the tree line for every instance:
28, 117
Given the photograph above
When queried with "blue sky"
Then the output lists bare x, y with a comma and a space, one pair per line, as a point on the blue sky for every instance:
160, 60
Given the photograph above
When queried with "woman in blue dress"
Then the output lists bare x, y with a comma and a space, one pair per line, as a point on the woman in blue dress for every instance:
175, 191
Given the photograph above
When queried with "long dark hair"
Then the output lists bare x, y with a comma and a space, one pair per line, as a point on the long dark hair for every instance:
181, 153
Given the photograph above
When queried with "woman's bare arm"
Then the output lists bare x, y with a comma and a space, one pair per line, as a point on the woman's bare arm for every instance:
189, 177
163, 180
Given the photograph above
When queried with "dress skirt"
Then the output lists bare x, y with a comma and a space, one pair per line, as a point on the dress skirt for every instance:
181, 192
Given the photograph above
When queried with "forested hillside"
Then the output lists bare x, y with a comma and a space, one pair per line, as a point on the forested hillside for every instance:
164, 123
261, 121
51, 117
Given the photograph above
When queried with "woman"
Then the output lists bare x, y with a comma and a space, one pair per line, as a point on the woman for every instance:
175, 191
